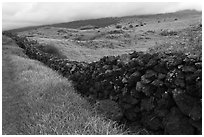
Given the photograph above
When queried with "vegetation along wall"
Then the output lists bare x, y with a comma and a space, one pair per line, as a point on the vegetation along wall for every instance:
161, 91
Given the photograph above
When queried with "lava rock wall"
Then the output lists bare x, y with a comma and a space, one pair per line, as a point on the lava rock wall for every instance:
162, 92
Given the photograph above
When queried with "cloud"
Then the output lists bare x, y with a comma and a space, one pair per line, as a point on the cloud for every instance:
16, 15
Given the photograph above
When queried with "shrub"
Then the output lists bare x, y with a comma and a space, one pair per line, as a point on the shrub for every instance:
51, 49
168, 33
116, 32
125, 28
118, 26
61, 31
88, 27
130, 26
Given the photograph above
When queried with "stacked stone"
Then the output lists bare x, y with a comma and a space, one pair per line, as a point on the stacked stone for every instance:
162, 92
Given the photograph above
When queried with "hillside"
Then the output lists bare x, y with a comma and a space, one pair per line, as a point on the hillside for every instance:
126, 75
38, 101
135, 33
104, 22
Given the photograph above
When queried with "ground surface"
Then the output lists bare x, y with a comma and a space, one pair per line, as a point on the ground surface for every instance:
29, 87
37, 100
137, 33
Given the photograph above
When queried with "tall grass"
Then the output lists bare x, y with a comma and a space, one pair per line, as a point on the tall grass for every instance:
47, 104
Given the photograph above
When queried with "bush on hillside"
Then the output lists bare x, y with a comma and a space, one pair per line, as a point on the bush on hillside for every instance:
118, 26
130, 26
88, 27
51, 49
168, 33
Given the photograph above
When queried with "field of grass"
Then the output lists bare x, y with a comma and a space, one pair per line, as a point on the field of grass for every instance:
92, 44
188, 41
37, 100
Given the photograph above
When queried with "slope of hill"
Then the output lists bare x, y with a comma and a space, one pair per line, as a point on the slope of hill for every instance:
38, 101
170, 32
135, 33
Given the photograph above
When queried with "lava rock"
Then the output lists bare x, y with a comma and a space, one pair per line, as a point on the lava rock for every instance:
188, 69
179, 82
186, 103
152, 122
166, 101
197, 125
129, 100
136, 94
139, 86
177, 124
196, 111
160, 68
147, 104
157, 83
161, 76
150, 75
148, 90
161, 112
132, 113
135, 77
144, 80
151, 63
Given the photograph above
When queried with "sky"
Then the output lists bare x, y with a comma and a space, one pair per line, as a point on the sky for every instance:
16, 15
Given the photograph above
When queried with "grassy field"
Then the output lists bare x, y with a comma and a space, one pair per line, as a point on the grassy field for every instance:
189, 41
92, 44
36, 100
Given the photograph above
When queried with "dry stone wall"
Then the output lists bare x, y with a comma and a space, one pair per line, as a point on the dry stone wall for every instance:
162, 92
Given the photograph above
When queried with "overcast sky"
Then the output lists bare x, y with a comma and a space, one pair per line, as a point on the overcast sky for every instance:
15, 15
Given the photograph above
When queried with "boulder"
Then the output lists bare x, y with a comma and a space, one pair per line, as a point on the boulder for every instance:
157, 83
147, 104
152, 122
187, 104
150, 75
139, 86
166, 101
136, 94
135, 77
148, 90
144, 80
132, 114
161, 68
160, 91
188, 69
161, 112
180, 83
176, 123
196, 111
161, 76
129, 100
197, 124
193, 90
152, 62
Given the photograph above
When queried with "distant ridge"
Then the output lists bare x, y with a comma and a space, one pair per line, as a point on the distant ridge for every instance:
104, 22
101, 22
